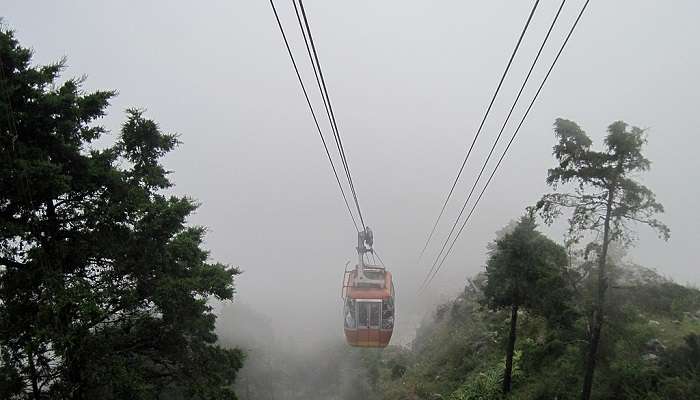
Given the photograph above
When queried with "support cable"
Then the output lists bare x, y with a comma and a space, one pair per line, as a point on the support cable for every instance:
313, 114
561, 49
493, 147
334, 124
483, 120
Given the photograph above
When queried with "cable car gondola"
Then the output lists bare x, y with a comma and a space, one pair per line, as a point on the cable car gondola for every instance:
368, 298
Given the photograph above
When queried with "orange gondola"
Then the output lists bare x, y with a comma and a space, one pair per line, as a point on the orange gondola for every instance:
368, 297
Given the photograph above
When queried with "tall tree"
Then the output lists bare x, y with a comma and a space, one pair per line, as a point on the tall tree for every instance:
605, 198
525, 271
103, 287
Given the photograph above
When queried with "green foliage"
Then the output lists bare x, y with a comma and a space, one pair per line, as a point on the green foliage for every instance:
526, 269
650, 347
103, 287
605, 198
662, 298
674, 375
486, 385
594, 175
459, 354
645, 352
525, 272
462, 340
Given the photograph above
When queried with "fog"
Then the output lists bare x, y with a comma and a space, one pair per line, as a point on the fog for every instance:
409, 81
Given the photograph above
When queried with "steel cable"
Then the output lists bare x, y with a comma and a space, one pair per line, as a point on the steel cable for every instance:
483, 120
313, 114
510, 142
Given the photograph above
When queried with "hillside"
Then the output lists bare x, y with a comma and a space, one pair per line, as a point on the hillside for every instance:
651, 348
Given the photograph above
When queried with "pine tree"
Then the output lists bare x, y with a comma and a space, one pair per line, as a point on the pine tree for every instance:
604, 200
525, 272
103, 286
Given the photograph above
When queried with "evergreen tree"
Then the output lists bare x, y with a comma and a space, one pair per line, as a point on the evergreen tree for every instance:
605, 199
525, 271
103, 287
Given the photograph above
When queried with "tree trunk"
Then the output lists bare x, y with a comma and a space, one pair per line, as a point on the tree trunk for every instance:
32, 376
598, 311
508, 373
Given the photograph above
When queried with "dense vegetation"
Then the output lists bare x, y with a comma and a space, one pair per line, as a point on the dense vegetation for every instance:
650, 348
103, 287
605, 196
580, 312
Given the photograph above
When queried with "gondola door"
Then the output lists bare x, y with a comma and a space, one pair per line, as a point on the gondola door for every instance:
369, 314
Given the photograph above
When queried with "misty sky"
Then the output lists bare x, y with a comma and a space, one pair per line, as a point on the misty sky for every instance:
409, 81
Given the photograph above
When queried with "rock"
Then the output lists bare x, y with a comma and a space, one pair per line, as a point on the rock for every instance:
655, 346
655, 323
